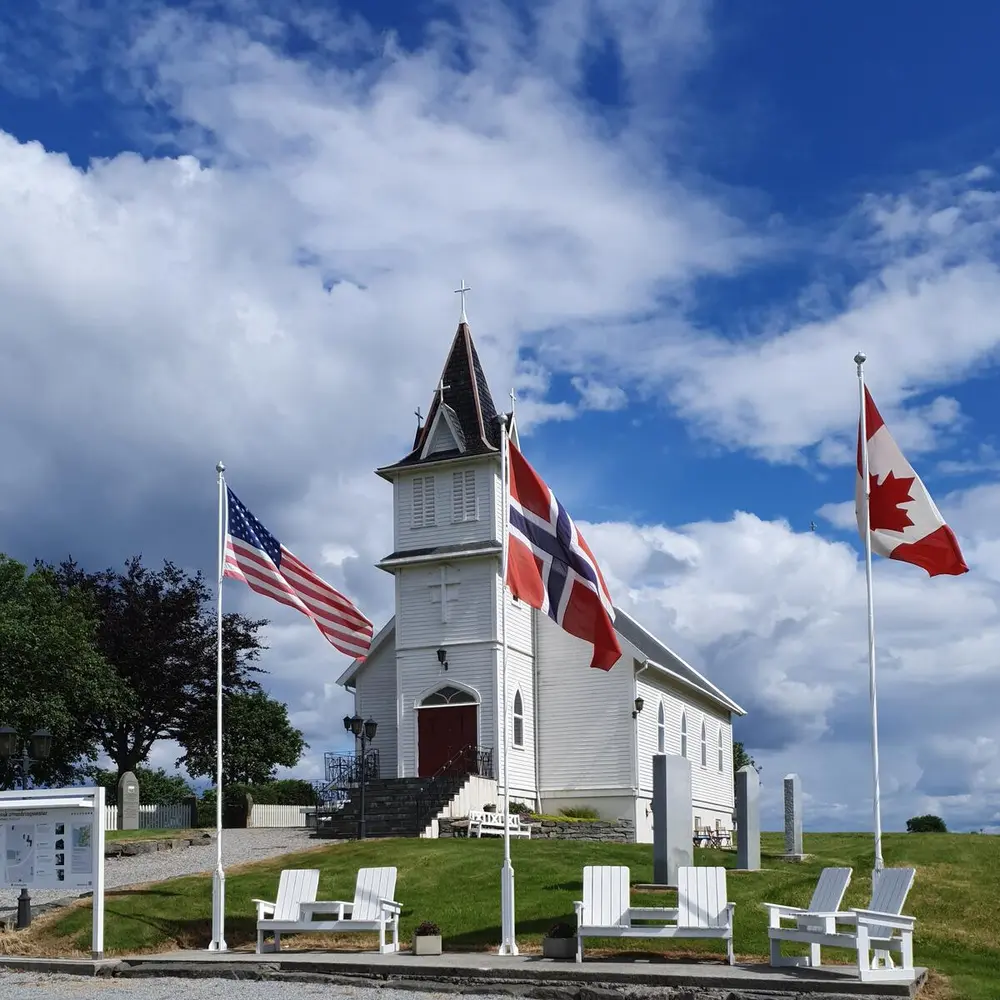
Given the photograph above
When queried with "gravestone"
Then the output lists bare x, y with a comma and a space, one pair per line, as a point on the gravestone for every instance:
128, 802
747, 819
672, 840
793, 818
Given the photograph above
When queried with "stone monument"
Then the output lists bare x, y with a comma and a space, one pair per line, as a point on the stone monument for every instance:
128, 802
672, 831
793, 818
747, 819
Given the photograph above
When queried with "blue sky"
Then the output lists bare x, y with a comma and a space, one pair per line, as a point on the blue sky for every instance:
233, 229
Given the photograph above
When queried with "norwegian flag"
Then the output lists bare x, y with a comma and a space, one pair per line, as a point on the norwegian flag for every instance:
551, 567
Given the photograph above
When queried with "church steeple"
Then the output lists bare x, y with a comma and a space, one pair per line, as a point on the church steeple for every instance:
462, 419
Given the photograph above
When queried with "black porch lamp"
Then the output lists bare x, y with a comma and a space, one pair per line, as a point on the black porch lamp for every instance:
371, 727
638, 708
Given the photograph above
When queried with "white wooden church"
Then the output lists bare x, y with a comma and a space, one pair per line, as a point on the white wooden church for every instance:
432, 679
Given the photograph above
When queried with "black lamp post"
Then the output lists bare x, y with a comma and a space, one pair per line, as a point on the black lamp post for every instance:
19, 755
365, 731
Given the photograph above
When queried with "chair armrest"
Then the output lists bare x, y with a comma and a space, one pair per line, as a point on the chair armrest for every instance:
871, 918
264, 907
339, 906
391, 905
578, 908
841, 918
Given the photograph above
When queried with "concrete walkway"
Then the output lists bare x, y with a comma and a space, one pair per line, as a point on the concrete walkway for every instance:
479, 970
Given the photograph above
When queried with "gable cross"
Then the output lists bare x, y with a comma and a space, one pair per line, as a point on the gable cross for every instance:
419, 416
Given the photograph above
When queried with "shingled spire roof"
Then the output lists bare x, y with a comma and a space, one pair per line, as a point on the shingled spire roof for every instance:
463, 404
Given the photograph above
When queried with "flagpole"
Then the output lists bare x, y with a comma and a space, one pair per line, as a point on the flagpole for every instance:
218, 942
859, 359
508, 946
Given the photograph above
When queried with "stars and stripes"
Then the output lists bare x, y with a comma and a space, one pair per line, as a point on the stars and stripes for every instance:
551, 567
256, 557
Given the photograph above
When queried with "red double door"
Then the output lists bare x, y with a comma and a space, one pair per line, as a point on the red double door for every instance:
442, 733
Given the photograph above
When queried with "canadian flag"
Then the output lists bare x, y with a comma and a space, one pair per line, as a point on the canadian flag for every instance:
905, 523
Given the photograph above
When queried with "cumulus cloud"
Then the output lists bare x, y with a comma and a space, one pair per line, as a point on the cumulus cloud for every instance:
266, 278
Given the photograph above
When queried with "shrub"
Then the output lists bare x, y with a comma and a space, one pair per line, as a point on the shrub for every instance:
925, 824
580, 812
562, 930
427, 929
520, 807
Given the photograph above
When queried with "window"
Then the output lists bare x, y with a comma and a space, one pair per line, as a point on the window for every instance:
518, 720
463, 496
448, 696
661, 730
423, 502
704, 746
684, 734
722, 752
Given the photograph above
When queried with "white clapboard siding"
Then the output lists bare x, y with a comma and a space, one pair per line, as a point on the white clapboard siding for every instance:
272, 816
176, 816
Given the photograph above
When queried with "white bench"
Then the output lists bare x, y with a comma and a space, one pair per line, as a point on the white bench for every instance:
702, 909
293, 912
490, 823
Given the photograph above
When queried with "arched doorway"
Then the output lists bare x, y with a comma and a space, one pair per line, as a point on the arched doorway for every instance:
447, 724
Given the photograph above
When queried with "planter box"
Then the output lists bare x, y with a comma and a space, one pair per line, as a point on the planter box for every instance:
427, 944
559, 947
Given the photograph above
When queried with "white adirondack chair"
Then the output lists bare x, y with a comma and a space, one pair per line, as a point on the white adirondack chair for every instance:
295, 887
294, 912
881, 928
702, 910
826, 898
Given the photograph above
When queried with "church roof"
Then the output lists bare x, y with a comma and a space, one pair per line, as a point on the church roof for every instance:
463, 400
659, 655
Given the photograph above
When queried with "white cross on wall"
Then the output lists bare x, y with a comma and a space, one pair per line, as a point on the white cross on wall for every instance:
444, 593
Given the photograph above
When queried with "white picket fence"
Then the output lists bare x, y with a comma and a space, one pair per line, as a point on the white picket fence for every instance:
175, 816
280, 816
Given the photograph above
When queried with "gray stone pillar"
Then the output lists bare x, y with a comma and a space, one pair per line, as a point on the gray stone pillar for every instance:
672, 829
793, 817
747, 819
128, 802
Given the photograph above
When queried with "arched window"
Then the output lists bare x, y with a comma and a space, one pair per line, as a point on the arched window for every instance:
704, 746
684, 734
518, 720
722, 754
661, 730
448, 695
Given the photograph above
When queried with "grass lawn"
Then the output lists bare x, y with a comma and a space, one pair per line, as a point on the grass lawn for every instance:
456, 884
170, 834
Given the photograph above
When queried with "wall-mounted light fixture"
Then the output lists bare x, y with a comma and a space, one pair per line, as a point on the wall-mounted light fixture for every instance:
638, 708
443, 658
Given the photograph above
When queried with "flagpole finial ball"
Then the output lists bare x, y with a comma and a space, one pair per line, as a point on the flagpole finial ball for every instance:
860, 358
503, 419
220, 468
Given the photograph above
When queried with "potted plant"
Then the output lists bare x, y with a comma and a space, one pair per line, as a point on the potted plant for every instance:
560, 942
427, 939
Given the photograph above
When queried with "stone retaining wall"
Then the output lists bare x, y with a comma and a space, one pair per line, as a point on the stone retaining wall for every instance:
132, 848
618, 831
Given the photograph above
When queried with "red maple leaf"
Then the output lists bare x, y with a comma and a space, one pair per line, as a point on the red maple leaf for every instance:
884, 509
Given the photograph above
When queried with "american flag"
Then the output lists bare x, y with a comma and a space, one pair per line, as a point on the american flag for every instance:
551, 567
256, 557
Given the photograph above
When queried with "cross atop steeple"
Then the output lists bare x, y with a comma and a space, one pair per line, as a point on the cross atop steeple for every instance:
441, 388
461, 291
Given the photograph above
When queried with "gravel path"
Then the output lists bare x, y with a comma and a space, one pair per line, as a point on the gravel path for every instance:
21, 985
238, 847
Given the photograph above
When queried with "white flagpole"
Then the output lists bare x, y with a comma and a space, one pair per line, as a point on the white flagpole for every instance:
859, 359
218, 942
508, 946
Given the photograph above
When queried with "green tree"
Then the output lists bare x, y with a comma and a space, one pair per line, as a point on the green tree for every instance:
925, 824
741, 758
257, 738
52, 675
155, 787
157, 630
